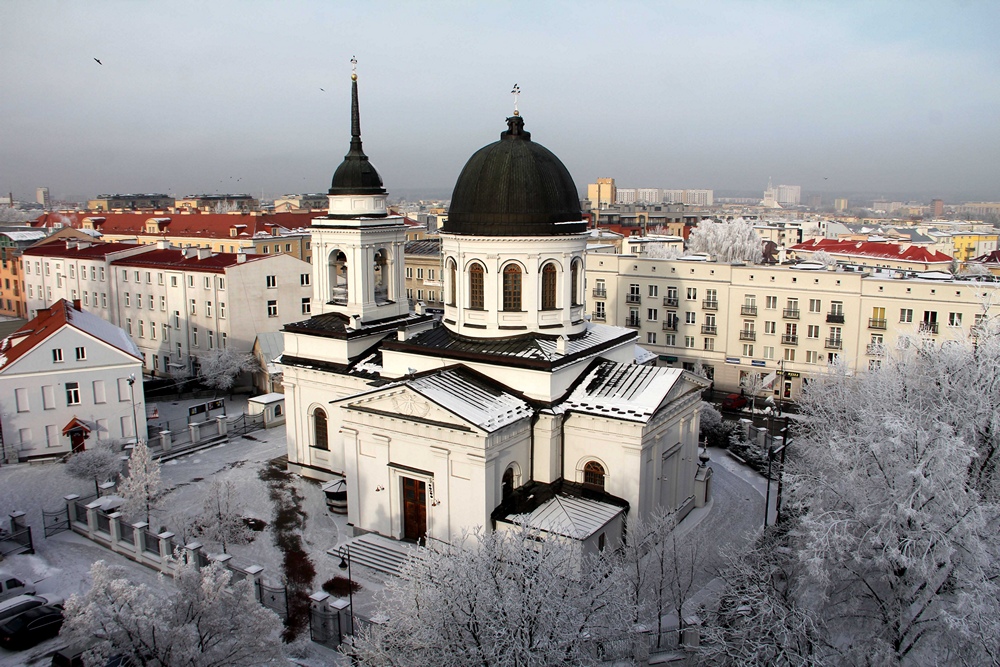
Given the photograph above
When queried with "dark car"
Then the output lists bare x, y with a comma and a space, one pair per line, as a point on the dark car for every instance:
734, 402
72, 656
31, 627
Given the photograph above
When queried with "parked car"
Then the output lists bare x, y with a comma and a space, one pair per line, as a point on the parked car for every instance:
11, 586
72, 656
32, 627
734, 402
22, 603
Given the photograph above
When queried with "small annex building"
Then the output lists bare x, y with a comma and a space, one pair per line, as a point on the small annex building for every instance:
67, 379
513, 406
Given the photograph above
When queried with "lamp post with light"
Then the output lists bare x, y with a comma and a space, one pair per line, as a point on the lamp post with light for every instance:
131, 392
345, 564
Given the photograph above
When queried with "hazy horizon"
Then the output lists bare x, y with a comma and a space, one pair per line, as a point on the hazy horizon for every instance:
838, 98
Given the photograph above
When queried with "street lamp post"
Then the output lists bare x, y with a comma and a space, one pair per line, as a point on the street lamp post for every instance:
131, 392
345, 564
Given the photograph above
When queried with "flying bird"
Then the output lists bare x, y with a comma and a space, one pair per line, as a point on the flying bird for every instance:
323, 89
98, 61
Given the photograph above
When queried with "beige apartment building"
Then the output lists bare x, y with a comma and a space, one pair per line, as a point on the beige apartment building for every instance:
734, 320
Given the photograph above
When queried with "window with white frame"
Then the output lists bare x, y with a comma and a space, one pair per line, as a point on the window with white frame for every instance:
812, 357
222, 310
815, 306
306, 305
771, 302
72, 393
747, 350
57, 355
709, 344
194, 307
651, 337
954, 319
689, 341
654, 290
690, 317
81, 353
652, 314
770, 327
812, 331
194, 336
272, 282
304, 279
789, 354
768, 352
208, 309
692, 293
272, 308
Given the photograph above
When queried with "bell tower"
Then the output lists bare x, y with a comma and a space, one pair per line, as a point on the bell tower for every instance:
357, 247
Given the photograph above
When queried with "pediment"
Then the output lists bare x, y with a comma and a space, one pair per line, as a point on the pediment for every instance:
405, 403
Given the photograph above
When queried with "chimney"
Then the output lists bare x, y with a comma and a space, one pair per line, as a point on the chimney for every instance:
190, 252
402, 334
77, 305
419, 309
241, 257
204, 253
354, 323
163, 244
561, 344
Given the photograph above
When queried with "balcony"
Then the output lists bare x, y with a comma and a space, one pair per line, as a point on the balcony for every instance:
928, 327
598, 317
601, 292
748, 334
875, 323
835, 343
748, 310
670, 325
709, 329
670, 301
710, 304
633, 322
835, 318
633, 298
789, 339
790, 313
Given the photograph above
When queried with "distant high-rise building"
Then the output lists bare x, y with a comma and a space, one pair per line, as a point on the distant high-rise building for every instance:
602, 193
770, 196
815, 201
840, 204
42, 196
937, 207
789, 195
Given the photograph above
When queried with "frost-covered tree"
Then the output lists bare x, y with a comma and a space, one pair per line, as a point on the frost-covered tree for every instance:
220, 520
752, 384
100, 463
735, 241
211, 621
504, 598
823, 257
220, 368
142, 486
662, 250
9, 214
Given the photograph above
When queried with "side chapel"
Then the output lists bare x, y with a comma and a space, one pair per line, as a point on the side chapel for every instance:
513, 406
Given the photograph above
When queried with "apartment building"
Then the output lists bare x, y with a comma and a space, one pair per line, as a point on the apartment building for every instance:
129, 201
424, 277
176, 304
733, 320
876, 254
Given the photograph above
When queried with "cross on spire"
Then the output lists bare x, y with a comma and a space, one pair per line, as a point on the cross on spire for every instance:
354, 68
515, 92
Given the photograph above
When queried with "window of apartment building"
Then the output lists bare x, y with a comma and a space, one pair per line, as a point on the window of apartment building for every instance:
179, 348
837, 308
689, 341
272, 282
86, 299
128, 299
772, 303
102, 274
306, 305
151, 302
194, 336
152, 330
671, 295
208, 309
211, 339
815, 306
163, 303
409, 293
272, 308
173, 281
692, 293
430, 274
288, 247
409, 272
420, 274
124, 273
27, 268
652, 314
190, 281
194, 307
21, 399
72, 271
747, 350
177, 319
789, 354
874, 364
690, 317
420, 295
836, 334
141, 329
812, 331
222, 283
905, 314
57, 355
304, 279
31, 291
207, 282
222, 310
74, 296
954, 319
48, 293
599, 312
768, 352
651, 337
633, 293
670, 339
72, 393
812, 357
432, 295
81, 354
166, 333
135, 274
138, 301
159, 278
832, 357
709, 344
770, 327
149, 278
654, 290
128, 325
156, 363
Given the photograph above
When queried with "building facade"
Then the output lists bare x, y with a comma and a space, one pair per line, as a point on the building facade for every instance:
130, 202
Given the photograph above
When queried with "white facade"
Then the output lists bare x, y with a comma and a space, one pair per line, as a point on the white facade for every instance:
69, 370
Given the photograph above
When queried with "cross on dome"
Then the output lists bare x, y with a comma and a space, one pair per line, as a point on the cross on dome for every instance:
515, 92
354, 68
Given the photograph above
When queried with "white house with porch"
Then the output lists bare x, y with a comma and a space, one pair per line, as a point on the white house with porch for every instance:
67, 379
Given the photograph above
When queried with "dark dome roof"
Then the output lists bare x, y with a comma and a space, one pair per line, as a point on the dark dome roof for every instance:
356, 175
514, 187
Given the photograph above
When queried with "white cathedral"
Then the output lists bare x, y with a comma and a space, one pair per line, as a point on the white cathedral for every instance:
512, 408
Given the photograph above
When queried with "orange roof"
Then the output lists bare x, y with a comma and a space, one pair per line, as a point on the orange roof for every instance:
188, 223
54, 318
175, 259
875, 250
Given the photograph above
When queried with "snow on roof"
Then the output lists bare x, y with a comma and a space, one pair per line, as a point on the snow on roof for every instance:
266, 399
623, 391
642, 355
577, 518
102, 330
271, 344
31, 235
873, 249
459, 392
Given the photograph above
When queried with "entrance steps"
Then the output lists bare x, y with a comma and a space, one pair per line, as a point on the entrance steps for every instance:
378, 552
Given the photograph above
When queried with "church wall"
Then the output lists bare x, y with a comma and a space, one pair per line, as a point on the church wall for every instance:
671, 459
332, 350
615, 444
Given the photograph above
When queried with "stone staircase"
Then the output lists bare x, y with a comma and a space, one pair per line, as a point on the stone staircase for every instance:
377, 552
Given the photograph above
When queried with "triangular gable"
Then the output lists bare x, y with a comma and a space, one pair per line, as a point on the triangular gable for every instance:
683, 386
402, 402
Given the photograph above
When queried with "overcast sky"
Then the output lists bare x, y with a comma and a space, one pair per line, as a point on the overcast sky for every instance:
225, 96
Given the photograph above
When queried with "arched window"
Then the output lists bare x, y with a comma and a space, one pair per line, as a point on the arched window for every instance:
574, 280
507, 483
549, 287
476, 291
452, 282
381, 282
338, 277
512, 287
319, 430
593, 475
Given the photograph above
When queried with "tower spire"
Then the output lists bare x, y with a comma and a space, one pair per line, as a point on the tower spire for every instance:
355, 110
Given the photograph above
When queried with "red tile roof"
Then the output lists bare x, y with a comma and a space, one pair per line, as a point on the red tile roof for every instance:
95, 251
876, 250
52, 319
175, 259
194, 224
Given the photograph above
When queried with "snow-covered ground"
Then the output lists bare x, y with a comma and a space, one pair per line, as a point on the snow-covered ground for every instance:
62, 562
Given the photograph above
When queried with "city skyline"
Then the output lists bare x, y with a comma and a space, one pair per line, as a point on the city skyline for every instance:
232, 97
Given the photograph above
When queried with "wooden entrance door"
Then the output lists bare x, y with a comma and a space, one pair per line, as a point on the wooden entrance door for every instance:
76, 439
414, 509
